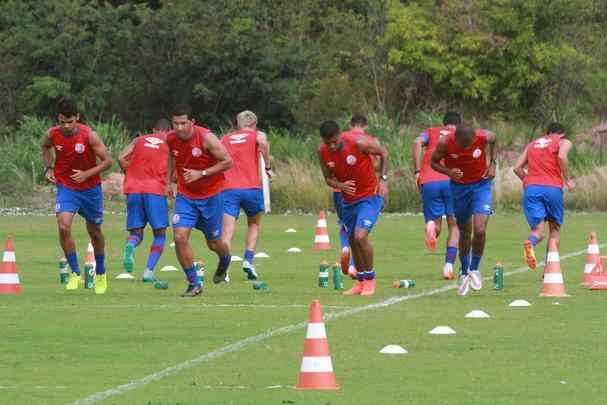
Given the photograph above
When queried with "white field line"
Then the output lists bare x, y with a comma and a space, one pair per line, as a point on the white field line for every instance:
241, 344
188, 306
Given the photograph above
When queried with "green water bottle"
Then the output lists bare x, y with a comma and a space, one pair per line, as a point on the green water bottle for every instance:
338, 281
323, 275
403, 284
200, 268
89, 275
260, 285
498, 276
64, 273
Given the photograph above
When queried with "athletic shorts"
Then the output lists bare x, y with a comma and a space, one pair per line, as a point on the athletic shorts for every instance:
471, 199
338, 200
205, 214
543, 203
88, 203
437, 200
362, 214
144, 208
249, 199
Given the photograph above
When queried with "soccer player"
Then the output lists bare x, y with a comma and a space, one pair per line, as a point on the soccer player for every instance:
547, 171
243, 184
462, 156
436, 193
145, 164
347, 164
79, 158
198, 160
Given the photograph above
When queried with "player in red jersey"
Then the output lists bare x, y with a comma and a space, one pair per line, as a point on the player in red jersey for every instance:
347, 164
199, 161
75, 171
145, 164
547, 171
243, 184
436, 191
463, 157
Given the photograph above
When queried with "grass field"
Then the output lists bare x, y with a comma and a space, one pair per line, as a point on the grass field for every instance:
235, 345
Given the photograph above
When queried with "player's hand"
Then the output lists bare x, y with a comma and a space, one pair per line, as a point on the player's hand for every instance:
348, 187
191, 175
456, 174
79, 175
49, 175
490, 172
570, 185
383, 189
169, 191
270, 174
419, 187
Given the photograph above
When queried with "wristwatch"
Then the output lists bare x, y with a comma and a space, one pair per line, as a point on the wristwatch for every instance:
383, 177
204, 173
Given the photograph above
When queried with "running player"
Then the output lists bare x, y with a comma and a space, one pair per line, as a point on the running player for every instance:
436, 193
547, 171
76, 172
462, 156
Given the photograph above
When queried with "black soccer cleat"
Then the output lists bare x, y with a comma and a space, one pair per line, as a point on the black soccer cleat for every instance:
193, 290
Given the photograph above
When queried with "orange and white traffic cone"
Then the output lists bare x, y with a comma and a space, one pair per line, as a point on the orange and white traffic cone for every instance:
9, 279
316, 371
593, 264
90, 255
321, 238
553, 278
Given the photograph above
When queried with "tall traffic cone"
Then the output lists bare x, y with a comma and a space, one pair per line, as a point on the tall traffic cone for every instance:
316, 371
9, 279
593, 262
553, 278
321, 238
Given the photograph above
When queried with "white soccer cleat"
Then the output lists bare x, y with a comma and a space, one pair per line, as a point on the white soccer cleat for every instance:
476, 280
464, 285
448, 272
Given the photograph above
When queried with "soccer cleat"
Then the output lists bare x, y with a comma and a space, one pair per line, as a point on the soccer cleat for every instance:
368, 287
476, 280
221, 276
249, 270
431, 236
129, 258
529, 255
73, 281
345, 260
464, 285
148, 276
193, 290
448, 273
101, 284
356, 290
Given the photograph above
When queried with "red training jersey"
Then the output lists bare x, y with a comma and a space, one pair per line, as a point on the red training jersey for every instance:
147, 169
242, 146
349, 163
472, 161
191, 154
74, 153
543, 167
427, 174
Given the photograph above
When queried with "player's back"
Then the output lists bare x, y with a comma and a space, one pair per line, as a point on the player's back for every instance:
147, 169
244, 150
427, 174
542, 162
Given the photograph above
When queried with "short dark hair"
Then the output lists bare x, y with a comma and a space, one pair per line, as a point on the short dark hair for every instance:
452, 118
182, 109
329, 129
163, 125
67, 107
358, 120
555, 128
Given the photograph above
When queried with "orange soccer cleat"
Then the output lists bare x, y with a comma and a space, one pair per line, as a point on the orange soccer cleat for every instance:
368, 287
431, 236
357, 289
530, 255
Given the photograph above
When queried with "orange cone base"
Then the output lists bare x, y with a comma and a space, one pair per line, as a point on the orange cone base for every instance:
555, 294
317, 381
322, 246
10, 288
598, 282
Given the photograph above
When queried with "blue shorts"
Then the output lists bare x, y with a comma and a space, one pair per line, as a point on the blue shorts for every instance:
362, 214
471, 199
144, 208
437, 200
543, 203
249, 199
338, 200
206, 215
88, 203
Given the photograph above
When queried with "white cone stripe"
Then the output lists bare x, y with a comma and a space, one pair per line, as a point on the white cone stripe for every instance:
593, 249
588, 268
8, 256
553, 278
321, 238
9, 278
319, 364
553, 257
316, 331
323, 274
322, 223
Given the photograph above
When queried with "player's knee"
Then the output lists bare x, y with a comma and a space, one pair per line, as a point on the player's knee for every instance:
360, 236
180, 238
64, 228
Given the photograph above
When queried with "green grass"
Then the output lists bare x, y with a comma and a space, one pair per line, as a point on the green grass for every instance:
57, 347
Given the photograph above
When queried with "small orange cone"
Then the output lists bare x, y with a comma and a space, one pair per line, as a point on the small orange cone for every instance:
598, 279
593, 263
321, 238
316, 371
9, 279
553, 278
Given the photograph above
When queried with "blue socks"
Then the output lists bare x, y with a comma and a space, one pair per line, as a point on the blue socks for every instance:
369, 275
100, 264
224, 262
155, 251
133, 240
192, 276
451, 254
72, 259
476, 262
465, 260
533, 239
343, 237
249, 255
360, 276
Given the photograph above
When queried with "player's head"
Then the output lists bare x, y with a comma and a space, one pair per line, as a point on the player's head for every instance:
359, 121
246, 119
555, 128
452, 118
67, 115
464, 135
162, 125
182, 120
329, 132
